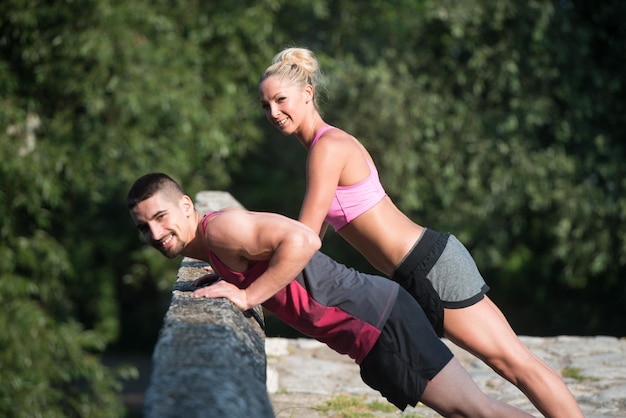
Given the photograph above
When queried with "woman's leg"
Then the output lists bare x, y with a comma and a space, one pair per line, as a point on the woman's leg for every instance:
453, 393
483, 330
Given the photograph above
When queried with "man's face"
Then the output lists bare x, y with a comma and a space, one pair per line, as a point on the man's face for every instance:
164, 222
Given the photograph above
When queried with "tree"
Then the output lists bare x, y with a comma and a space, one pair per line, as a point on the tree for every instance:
500, 122
94, 94
487, 120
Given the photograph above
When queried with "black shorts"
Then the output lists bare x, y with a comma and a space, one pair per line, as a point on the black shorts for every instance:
411, 274
407, 355
440, 273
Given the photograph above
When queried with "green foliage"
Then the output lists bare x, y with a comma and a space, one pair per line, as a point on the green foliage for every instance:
48, 368
48, 363
498, 121
94, 94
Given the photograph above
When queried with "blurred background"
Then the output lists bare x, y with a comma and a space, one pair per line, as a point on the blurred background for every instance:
501, 122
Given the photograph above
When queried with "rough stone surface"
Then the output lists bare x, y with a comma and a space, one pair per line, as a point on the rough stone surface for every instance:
303, 375
209, 360
214, 200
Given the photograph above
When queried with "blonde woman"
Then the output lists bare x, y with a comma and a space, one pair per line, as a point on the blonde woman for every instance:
343, 190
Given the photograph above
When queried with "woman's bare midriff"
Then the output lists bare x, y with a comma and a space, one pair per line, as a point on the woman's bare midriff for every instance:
383, 235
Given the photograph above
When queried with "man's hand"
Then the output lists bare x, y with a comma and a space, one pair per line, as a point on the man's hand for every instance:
223, 289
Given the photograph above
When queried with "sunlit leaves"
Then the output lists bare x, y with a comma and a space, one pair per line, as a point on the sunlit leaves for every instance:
499, 121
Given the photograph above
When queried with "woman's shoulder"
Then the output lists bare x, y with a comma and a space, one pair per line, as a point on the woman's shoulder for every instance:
334, 149
336, 140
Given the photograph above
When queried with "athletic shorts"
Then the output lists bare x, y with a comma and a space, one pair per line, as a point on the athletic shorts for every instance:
406, 356
440, 273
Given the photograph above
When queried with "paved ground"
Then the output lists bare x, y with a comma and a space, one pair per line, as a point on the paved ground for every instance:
303, 375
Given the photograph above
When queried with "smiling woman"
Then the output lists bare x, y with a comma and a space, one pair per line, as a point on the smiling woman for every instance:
283, 96
343, 190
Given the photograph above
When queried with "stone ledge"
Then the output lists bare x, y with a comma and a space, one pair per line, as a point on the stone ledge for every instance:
209, 360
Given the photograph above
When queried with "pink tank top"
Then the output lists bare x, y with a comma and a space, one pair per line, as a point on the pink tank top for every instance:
351, 201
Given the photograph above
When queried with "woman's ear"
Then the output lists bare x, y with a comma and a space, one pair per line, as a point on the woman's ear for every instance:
308, 92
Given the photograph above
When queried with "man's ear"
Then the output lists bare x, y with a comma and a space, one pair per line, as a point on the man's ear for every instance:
187, 205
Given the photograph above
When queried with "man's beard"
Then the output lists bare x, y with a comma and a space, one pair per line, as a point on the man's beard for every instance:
170, 252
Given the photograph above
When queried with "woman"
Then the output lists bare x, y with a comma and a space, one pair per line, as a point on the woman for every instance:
343, 190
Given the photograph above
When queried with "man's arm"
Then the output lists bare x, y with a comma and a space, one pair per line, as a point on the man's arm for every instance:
239, 238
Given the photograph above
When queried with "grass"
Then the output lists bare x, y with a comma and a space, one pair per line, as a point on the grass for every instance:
347, 406
574, 373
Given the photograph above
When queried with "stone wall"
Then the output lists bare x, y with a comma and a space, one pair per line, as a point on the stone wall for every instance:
209, 360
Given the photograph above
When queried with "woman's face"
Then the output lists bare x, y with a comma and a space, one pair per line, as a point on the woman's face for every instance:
284, 104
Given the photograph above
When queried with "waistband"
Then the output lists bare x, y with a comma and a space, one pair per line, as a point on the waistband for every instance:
424, 253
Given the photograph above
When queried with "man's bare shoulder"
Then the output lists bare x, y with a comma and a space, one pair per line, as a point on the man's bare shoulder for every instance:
243, 212
242, 218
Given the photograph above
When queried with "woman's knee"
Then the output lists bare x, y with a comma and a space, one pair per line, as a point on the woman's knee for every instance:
515, 364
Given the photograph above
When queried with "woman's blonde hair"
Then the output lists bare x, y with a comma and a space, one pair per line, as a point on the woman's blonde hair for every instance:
297, 66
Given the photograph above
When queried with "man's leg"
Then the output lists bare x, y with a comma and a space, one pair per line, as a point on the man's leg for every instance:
453, 393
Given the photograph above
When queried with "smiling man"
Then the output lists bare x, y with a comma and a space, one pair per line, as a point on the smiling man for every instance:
268, 259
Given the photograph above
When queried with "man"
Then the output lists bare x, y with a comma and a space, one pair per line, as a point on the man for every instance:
268, 259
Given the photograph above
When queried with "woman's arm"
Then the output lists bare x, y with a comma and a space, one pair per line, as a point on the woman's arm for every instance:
325, 164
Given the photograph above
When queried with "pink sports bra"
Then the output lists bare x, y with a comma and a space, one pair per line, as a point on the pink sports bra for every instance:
351, 201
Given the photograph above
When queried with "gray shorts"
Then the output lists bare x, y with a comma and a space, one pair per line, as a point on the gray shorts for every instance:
440, 273
456, 278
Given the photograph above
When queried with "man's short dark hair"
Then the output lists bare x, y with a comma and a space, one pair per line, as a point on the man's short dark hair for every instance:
148, 185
